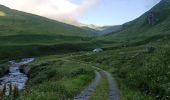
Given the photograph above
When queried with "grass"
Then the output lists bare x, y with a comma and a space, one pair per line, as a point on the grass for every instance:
140, 75
27, 35
28, 50
143, 74
102, 91
139, 30
129, 94
61, 90
51, 78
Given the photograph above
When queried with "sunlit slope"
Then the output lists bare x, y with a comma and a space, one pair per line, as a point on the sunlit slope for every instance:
23, 26
27, 34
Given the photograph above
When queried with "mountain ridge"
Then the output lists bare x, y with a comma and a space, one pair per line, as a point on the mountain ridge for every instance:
140, 27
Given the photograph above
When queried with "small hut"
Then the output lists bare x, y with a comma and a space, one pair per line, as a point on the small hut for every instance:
98, 50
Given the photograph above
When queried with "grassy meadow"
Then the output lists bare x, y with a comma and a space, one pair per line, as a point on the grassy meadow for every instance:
140, 75
53, 78
65, 62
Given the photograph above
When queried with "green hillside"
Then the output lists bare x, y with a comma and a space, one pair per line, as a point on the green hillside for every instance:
24, 23
140, 29
137, 55
21, 32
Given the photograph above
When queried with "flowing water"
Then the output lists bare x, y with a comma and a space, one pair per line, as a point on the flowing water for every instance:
15, 77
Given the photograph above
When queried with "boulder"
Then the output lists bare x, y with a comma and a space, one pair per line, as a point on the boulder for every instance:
148, 48
151, 18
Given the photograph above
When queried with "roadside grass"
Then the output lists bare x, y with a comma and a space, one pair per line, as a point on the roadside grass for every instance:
127, 93
141, 76
51, 78
144, 76
56, 90
102, 90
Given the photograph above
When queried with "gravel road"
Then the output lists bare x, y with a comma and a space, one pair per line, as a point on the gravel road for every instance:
87, 92
113, 90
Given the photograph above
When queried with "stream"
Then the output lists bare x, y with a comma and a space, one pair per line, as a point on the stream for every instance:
15, 77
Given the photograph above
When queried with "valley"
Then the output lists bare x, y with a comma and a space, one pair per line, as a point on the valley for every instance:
134, 63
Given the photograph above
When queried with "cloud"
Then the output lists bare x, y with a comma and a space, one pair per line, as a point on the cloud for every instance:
54, 9
81, 9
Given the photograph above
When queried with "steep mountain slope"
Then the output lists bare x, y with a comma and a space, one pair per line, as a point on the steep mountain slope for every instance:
26, 31
154, 24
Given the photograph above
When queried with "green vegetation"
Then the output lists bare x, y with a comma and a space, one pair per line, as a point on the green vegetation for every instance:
136, 70
141, 75
139, 31
23, 34
129, 94
53, 78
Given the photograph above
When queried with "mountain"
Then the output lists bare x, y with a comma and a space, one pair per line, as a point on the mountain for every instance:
97, 30
14, 19
19, 30
153, 24
136, 54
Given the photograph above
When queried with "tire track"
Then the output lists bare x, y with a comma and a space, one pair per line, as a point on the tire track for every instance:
113, 90
87, 92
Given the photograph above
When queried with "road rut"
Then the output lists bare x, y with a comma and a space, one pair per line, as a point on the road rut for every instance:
113, 90
87, 92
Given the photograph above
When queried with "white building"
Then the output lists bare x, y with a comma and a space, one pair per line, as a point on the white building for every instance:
98, 50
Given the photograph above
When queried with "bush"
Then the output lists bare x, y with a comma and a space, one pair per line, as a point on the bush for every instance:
78, 71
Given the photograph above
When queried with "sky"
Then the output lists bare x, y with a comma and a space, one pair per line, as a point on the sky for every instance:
96, 12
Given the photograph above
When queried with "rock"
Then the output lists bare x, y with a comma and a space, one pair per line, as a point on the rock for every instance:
148, 48
152, 18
